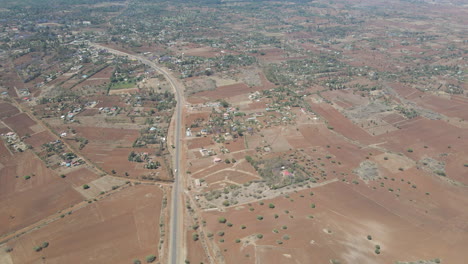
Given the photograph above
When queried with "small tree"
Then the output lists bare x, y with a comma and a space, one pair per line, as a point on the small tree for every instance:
195, 236
222, 220
136, 261
150, 258
271, 206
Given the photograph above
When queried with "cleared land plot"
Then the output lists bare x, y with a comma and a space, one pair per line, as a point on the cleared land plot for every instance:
342, 220
117, 229
21, 124
26, 201
7, 110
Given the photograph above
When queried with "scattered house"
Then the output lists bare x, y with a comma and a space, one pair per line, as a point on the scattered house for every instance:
286, 173
216, 160
205, 152
164, 59
197, 182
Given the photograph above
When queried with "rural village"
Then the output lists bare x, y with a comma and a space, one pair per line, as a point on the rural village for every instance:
207, 131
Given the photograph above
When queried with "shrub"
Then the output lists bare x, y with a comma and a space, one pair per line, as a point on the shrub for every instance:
45, 244
286, 237
284, 227
222, 220
410, 150
243, 227
221, 233
312, 205
209, 235
377, 251
238, 241
195, 236
62, 176
136, 261
8, 249
37, 249
86, 186
271, 206
369, 237
276, 216
226, 203
150, 258
260, 217
27, 177
260, 236
261, 203
229, 224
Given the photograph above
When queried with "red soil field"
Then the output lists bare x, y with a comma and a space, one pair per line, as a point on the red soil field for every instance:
38, 139
343, 217
451, 108
225, 91
122, 227
199, 142
228, 91
23, 202
7, 110
20, 123
80, 176
341, 124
